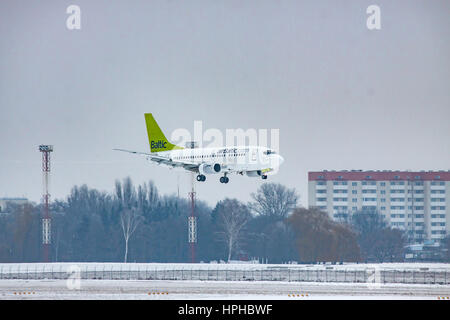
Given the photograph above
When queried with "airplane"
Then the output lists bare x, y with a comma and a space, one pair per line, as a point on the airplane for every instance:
254, 161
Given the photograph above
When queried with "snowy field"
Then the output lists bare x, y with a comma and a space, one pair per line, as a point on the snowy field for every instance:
220, 290
91, 266
386, 273
158, 281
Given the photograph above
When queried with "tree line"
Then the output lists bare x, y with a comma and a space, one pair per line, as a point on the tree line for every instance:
138, 224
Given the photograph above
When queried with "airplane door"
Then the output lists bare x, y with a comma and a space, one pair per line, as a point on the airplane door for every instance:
254, 155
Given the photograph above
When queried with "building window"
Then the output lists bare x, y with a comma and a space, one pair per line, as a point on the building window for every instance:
397, 207
340, 208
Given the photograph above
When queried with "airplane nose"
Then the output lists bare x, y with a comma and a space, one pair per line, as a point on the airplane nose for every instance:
281, 159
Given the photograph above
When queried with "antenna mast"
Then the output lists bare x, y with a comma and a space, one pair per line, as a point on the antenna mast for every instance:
46, 221
192, 219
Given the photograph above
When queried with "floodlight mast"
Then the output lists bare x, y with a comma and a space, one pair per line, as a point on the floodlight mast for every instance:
46, 221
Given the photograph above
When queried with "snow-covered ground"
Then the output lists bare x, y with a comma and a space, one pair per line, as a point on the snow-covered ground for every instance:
220, 290
400, 273
100, 266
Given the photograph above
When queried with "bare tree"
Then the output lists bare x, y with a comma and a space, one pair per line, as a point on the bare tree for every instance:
274, 200
147, 199
232, 217
130, 216
129, 221
446, 248
377, 240
321, 239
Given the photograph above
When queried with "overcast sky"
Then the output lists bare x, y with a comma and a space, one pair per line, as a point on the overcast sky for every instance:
342, 96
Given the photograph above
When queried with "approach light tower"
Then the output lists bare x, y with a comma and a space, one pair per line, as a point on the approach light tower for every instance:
46, 222
192, 219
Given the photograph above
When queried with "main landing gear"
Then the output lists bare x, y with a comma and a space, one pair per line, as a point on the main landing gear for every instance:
224, 179
201, 177
264, 177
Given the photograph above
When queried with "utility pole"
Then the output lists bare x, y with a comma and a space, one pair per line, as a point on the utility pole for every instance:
46, 221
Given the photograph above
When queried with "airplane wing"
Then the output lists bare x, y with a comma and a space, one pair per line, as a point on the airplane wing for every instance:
164, 160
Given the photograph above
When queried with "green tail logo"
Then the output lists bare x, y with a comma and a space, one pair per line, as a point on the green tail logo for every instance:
156, 138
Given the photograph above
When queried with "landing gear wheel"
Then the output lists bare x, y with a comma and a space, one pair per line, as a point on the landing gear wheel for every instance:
264, 177
224, 179
201, 177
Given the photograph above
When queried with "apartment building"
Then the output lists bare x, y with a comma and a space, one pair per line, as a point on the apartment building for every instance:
417, 202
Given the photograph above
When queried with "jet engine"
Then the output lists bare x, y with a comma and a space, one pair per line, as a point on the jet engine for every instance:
254, 173
209, 168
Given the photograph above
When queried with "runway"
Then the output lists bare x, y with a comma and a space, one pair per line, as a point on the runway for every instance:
216, 290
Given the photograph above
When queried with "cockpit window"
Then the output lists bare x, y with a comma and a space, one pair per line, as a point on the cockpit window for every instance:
269, 152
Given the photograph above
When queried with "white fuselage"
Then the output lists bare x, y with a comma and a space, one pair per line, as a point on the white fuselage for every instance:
231, 159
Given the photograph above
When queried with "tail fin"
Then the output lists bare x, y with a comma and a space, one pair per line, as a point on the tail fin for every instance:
156, 138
